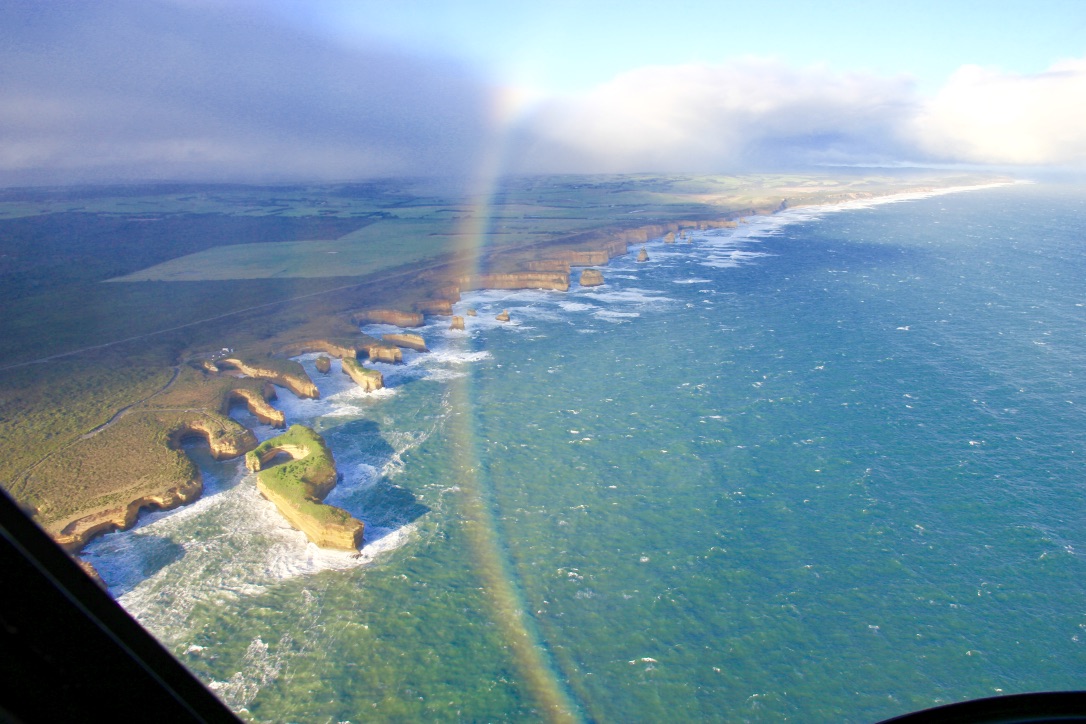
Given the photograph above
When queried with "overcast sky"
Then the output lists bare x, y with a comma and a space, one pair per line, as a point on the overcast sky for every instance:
281, 90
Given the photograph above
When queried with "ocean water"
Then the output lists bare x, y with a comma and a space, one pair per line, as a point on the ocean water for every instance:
824, 467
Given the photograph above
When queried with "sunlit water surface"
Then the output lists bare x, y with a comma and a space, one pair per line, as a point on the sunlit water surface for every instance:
825, 467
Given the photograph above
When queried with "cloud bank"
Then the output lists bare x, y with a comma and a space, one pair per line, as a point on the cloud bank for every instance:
184, 89
141, 89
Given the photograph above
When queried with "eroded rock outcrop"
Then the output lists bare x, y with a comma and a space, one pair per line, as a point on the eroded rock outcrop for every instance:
285, 373
76, 534
669, 237
298, 487
457, 322
643, 255
383, 352
591, 278
504, 316
472, 313
388, 316
338, 348
257, 404
557, 281
440, 307
369, 380
406, 341
591, 257
547, 265
323, 364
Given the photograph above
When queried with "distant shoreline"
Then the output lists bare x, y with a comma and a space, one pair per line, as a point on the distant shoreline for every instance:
433, 286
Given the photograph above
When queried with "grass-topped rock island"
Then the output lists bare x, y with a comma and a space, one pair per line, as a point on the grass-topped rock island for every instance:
296, 471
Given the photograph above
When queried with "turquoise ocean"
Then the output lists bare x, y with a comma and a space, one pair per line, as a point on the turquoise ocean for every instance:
827, 466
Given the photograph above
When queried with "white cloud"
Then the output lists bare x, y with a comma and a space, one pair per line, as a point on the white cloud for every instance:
700, 117
987, 116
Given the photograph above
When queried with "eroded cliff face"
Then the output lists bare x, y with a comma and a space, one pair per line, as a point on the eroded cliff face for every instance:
557, 281
257, 404
383, 352
592, 257
298, 487
388, 316
328, 347
297, 381
591, 278
76, 534
225, 438
407, 341
369, 380
440, 307
547, 265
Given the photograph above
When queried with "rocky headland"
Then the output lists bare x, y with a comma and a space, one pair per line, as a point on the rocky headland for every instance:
369, 380
283, 372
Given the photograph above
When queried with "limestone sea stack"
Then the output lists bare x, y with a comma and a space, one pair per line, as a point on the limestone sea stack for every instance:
297, 487
457, 322
669, 237
504, 316
472, 312
323, 364
369, 380
642, 255
591, 278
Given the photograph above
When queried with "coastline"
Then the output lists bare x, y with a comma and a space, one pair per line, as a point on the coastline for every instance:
444, 282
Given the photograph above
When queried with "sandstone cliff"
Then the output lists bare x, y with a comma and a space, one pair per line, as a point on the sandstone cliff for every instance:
591, 257
257, 404
76, 534
557, 281
383, 352
407, 341
285, 373
297, 487
440, 307
388, 316
369, 380
547, 265
339, 348
591, 278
